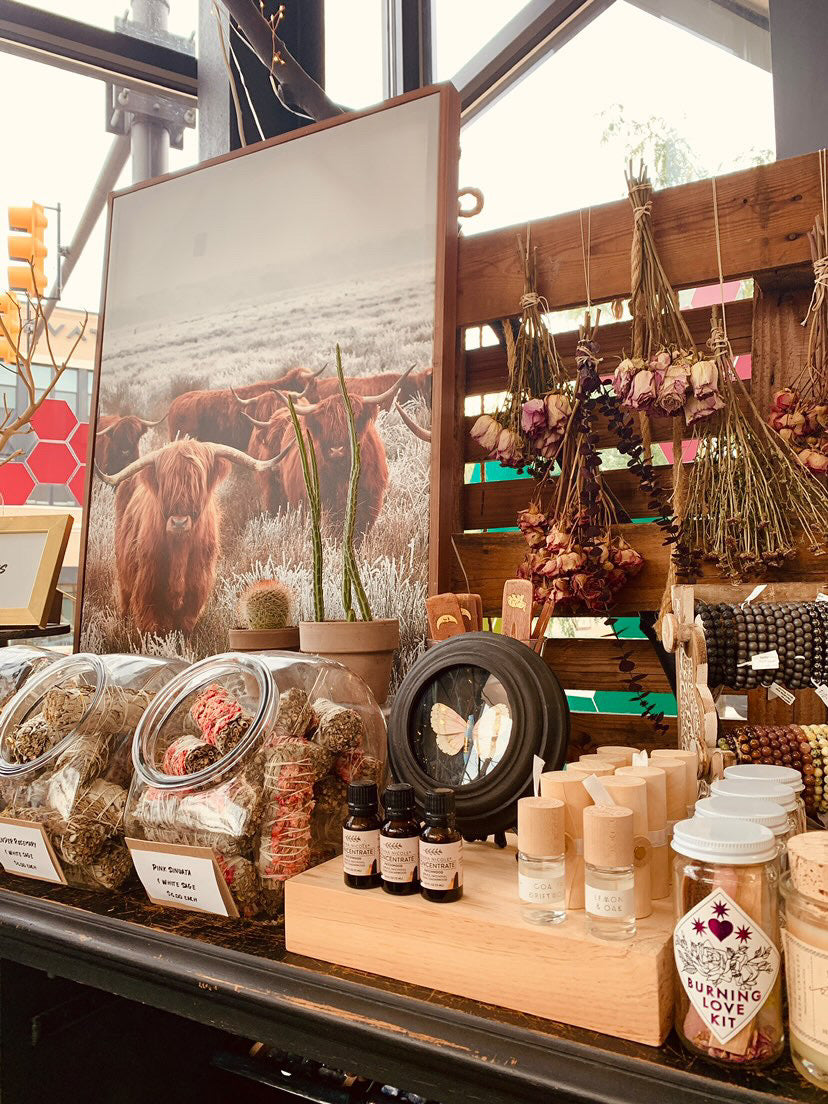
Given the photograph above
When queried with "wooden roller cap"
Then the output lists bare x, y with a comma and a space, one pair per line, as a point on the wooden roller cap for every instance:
541, 826
616, 753
676, 772
609, 841
631, 793
691, 769
655, 780
582, 770
566, 787
594, 761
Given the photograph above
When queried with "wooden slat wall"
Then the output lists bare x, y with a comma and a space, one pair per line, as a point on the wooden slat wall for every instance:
765, 215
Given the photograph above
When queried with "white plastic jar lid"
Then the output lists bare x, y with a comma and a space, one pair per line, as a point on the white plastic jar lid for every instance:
754, 809
715, 840
767, 772
765, 791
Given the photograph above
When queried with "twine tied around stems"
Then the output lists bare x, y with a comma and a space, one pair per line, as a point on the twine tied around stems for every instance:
531, 299
820, 284
643, 211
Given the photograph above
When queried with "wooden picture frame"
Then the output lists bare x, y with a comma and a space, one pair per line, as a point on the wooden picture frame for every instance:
446, 407
31, 546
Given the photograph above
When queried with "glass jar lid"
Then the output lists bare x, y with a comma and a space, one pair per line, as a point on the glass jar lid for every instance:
754, 809
767, 772
82, 671
756, 788
714, 840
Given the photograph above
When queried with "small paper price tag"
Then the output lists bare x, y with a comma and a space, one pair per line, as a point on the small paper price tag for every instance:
640, 759
537, 770
597, 790
182, 876
25, 849
781, 692
822, 693
822, 597
757, 590
764, 661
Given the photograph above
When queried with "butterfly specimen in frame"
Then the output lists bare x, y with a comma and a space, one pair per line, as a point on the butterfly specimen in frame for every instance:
489, 734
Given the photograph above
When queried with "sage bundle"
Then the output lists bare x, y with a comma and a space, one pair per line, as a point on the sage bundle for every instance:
340, 728
221, 720
748, 497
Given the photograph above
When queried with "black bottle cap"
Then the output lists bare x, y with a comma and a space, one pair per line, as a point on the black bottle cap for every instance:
398, 798
439, 803
362, 794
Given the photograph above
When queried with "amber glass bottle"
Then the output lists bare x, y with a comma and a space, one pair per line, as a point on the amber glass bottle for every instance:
441, 849
360, 837
400, 841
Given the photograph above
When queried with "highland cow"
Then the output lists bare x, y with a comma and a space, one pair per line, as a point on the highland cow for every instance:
117, 440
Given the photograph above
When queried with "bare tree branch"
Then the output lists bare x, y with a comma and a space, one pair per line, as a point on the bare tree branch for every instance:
297, 91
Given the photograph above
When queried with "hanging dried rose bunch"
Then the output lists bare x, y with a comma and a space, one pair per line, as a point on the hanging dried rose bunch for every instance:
528, 430
747, 497
575, 559
799, 413
665, 374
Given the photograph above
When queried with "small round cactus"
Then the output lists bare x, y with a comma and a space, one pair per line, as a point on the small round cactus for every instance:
266, 604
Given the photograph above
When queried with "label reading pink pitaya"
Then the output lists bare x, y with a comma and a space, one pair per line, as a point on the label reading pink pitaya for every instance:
726, 963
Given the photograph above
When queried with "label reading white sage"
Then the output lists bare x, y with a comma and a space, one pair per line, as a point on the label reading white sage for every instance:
441, 865
360, 852
609, 902
399, 858
726, 963
806, 973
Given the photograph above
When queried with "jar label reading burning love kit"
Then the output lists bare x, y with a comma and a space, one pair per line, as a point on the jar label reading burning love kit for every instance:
360, 852
399, 858
725, 962
807, 976
441, 865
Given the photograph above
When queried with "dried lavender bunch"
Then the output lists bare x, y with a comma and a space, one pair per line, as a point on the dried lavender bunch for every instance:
748, 496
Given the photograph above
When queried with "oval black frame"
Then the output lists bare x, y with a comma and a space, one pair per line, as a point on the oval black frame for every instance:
540, 716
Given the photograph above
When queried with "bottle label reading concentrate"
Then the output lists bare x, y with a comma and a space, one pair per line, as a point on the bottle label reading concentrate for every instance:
399, 858
806, 969
726, 963
609, 902
360, 852
543, 891
441, 865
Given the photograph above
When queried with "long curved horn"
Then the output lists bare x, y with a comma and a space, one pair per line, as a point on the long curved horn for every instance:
415, 427
105, 430
245, 402
254, 421
152, 425
303, 408
236, 456
130, 470
391, 391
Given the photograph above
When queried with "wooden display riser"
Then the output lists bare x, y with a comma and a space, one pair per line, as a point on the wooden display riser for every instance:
481, 948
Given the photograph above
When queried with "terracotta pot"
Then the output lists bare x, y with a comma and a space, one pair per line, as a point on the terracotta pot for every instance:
264, 640
366, 647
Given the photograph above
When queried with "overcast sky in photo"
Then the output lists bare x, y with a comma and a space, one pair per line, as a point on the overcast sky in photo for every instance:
537, 151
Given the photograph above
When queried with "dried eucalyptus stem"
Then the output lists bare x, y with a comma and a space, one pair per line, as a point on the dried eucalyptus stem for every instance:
748, 497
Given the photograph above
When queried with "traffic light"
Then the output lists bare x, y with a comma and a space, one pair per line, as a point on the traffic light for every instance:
27, 245
10, 315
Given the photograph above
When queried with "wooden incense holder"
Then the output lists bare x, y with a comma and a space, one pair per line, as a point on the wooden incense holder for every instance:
445, 618
479, 947
517, 609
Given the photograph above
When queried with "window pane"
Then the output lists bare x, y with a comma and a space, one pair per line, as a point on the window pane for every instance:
183, 14
577, 158
460, 28
353, 52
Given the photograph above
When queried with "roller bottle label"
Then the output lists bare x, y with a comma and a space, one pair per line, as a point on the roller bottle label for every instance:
609, 902
441, 865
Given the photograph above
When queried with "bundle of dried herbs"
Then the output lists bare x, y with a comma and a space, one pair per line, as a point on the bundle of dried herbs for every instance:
664, 374
528, 430
575, 558
747, 495
799, 413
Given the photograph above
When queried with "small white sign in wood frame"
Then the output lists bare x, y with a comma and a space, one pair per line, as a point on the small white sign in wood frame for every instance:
32, 548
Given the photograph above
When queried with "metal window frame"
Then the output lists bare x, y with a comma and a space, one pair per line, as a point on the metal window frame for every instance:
78, 47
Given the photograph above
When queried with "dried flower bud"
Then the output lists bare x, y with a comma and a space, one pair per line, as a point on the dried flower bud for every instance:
486, 431
696, 409
673, 389
704, 376
623, 377
644, 391
533, 417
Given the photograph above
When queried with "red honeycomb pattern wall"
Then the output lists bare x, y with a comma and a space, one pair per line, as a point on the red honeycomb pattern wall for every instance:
58, 452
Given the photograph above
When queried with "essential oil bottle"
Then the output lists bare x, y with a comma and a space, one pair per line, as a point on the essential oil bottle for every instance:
441, 849
541, 881
609, 883
400, 841
361, 837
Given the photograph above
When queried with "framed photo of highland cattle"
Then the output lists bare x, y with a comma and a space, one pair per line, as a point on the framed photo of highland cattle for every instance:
227, 290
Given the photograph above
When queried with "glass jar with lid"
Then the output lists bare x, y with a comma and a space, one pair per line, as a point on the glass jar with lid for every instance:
758, 790
726, 941
18, 662
250, 755
805, 891
754, 809
768, 772
65, 757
